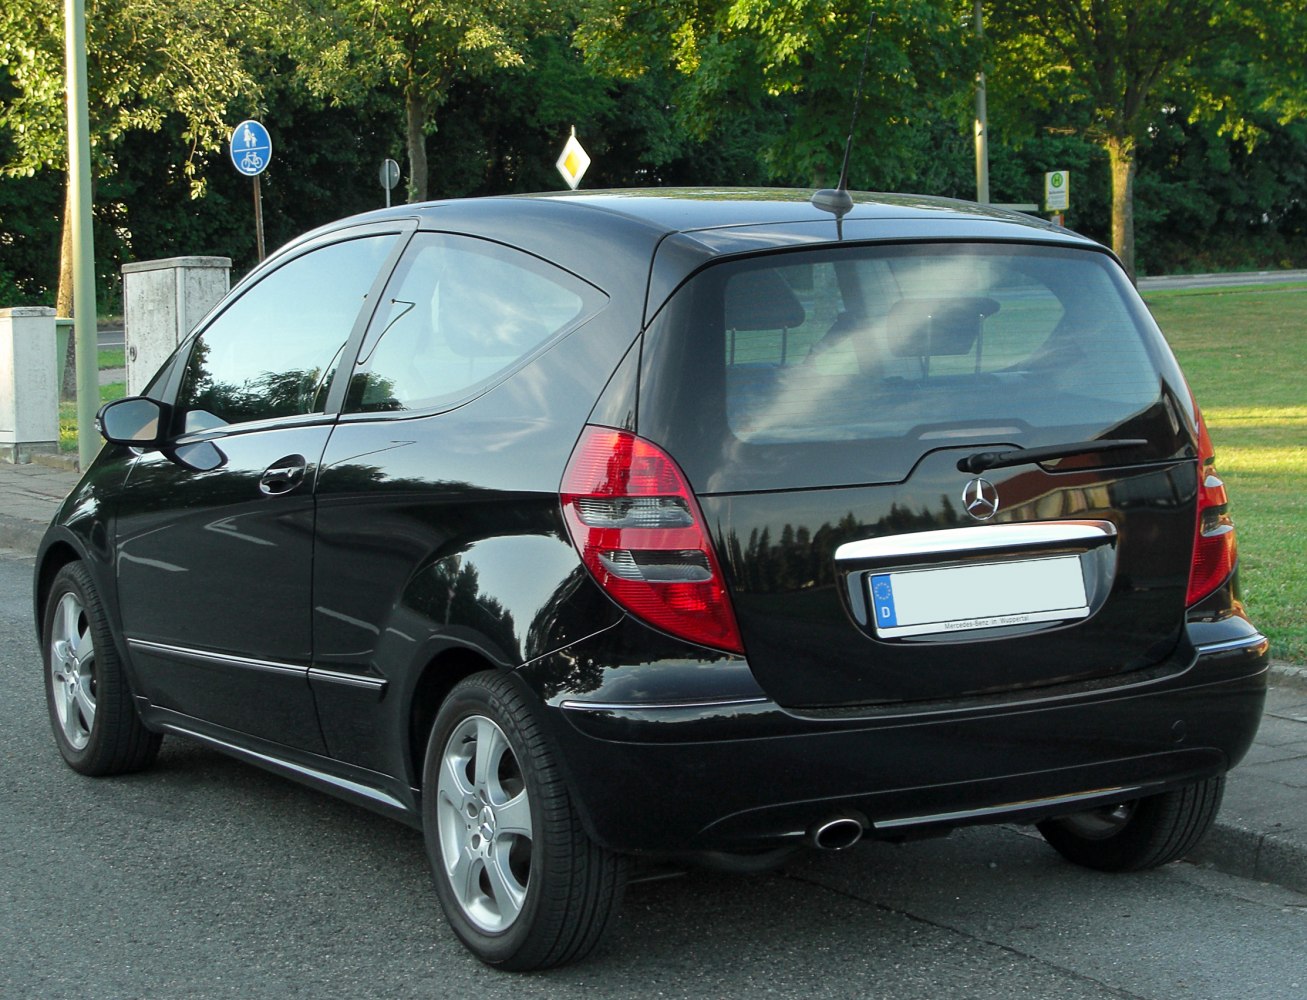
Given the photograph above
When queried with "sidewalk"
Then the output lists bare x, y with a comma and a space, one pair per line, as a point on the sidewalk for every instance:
29, 495
1261, 832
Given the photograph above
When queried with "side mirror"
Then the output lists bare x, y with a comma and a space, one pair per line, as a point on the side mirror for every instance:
135, 420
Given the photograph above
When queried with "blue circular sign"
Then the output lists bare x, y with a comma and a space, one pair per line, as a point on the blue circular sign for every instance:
251, 148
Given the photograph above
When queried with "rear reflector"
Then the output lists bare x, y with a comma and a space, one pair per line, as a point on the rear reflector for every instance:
1214, 546
641, 535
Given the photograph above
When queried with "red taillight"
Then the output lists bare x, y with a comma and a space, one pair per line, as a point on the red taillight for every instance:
640, 533
1214, 547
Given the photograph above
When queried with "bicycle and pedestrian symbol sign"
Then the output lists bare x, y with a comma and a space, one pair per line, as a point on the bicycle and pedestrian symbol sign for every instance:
251, 148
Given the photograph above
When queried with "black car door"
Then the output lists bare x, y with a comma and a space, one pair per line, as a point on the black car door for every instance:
440, 478
213, 554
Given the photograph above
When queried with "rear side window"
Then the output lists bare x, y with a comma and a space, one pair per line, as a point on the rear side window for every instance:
457, 314
846, 366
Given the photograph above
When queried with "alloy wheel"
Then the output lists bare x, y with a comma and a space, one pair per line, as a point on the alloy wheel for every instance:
72, 671
484, 818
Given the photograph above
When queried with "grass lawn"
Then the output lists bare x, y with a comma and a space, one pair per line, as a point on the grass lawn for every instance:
110, 358
1245, 354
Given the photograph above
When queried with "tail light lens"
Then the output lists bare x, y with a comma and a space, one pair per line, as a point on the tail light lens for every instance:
641, 535
1214, 546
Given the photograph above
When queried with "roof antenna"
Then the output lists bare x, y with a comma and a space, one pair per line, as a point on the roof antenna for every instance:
838, 201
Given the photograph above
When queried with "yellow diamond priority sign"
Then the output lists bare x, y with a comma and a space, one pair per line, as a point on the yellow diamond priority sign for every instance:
573, 161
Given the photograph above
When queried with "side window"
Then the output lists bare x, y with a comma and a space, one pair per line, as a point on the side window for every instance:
458, 313
273, 351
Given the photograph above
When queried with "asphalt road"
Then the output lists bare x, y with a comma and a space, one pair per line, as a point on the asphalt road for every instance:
208, 878
110, 337
1231, 279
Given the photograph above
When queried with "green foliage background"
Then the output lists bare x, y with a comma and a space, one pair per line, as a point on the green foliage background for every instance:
715, 92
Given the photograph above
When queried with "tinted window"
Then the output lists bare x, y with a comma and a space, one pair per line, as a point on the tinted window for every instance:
272, 352
853, 363
457, 313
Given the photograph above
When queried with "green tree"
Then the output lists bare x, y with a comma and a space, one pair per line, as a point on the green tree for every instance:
146, 60
324, 166
421, 47
1209, 202
797, 63
1113, 67
504, 130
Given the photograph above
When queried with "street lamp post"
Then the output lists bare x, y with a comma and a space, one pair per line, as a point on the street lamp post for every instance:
982, 118
79, 200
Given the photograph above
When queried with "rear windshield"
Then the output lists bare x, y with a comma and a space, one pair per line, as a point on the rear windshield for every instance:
845, 366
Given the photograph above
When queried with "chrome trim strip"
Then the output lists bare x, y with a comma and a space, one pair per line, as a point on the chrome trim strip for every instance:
978, 539
642, 706
1221, 647
264, 666
297, 770
216, 659
349, 680
1007, 807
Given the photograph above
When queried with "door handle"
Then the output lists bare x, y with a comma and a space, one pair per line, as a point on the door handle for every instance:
283, 475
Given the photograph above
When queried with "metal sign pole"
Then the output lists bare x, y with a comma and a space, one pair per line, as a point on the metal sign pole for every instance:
258, 216
251, 151
389, 177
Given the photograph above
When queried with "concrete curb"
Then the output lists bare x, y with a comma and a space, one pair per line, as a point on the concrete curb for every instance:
1288, 675
20, 534
1236, 849
66, 463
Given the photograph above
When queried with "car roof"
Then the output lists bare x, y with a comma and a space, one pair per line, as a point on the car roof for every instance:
648, 241
692, 209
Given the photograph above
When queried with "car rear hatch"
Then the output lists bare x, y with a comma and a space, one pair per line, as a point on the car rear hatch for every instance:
930, 471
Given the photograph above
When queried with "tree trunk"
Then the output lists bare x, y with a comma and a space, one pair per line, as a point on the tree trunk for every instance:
415, 107
63, 301
1121, 156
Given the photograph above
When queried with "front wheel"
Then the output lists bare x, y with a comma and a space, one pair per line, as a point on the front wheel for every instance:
1139, 834
520, 882
91, 710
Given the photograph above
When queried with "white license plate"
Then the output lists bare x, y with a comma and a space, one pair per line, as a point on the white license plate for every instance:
990, 595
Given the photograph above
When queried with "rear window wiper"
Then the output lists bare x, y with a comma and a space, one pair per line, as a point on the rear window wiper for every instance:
982, 461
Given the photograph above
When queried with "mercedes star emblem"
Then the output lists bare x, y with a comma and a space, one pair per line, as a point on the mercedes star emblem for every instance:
980, 499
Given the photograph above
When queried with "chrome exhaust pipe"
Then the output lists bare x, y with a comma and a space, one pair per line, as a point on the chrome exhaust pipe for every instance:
835, 834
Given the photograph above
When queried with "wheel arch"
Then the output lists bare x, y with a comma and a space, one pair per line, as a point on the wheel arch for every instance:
54, 557
440, 675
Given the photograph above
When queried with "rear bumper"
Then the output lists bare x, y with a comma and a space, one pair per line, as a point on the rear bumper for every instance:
742, 773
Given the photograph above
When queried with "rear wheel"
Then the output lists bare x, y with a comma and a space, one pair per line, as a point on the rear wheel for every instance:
91, 710
1143, 833
520, 882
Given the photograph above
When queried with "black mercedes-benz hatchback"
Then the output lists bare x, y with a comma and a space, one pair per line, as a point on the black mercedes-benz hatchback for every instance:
584, 530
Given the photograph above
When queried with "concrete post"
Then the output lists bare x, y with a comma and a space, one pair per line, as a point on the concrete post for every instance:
29, 393
162, 302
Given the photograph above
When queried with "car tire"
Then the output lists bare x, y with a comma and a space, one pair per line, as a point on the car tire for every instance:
1144, 833
520, 881
91, 707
